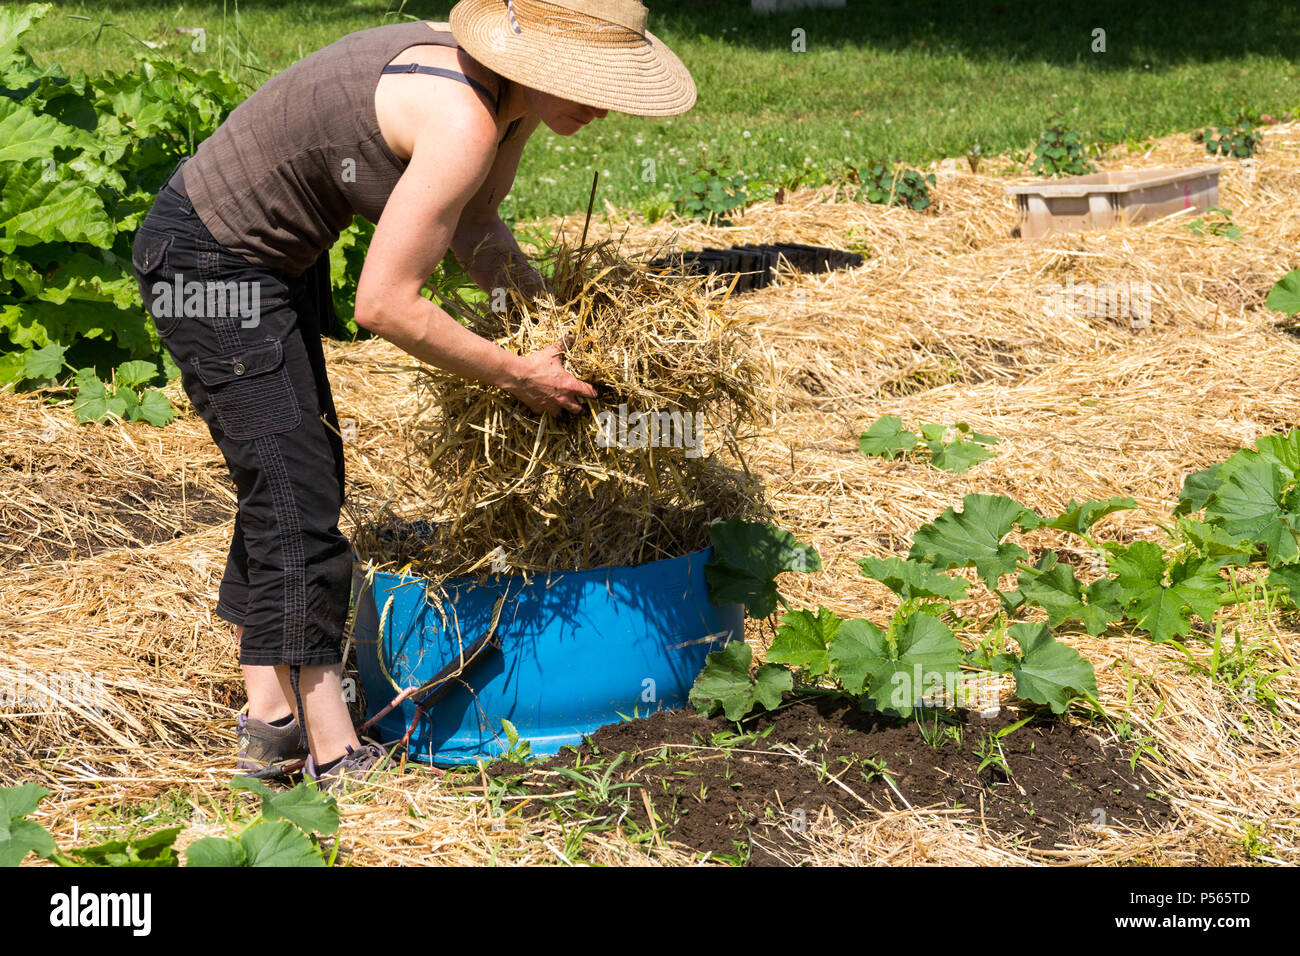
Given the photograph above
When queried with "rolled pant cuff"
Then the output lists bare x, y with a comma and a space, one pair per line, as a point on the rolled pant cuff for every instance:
229, 614
273, 660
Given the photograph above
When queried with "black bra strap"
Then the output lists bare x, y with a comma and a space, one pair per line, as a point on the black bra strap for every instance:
468, 81
447, 74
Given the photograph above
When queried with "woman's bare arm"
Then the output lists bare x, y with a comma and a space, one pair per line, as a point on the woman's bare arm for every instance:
417, 227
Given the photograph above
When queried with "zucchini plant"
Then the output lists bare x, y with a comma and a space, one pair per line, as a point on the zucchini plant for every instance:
285, 833
956, 448
1243, 513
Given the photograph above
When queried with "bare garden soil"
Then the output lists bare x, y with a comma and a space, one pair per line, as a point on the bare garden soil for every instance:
759, 795
97, 515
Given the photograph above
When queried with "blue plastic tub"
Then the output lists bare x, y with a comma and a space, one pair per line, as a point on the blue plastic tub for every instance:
579, 650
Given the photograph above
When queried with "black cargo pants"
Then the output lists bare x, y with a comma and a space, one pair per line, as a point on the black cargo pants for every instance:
248, 343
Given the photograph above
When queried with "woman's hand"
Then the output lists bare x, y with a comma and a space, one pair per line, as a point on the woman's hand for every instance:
543, 384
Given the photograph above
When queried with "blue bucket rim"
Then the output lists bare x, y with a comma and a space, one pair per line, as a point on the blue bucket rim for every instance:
530, 580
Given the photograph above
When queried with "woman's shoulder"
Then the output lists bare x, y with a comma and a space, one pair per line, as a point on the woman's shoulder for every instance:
444, 111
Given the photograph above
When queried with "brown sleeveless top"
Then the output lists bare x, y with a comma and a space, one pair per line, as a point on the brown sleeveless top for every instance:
289, 168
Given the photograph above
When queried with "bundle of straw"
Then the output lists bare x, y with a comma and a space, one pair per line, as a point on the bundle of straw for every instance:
636, 476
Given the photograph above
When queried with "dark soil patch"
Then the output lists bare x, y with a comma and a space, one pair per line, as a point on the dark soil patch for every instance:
732, 796
76, 517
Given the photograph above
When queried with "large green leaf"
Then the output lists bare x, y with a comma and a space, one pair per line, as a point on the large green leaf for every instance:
216, 851
312, 810
1197, 489
897, 674
18, 835
14, 22
136, 373
1064, 597
279, 843
44, 364
22, 837
973, 537
37, 323
958, 457
856, 645
155, 408
20, 800
1049, 672
30, 137
911, 579
1164, 610
886, 438
83, 278
747, 556
725, 684
802, 640
1282, 449
1285, 295
34, 209
1249, 503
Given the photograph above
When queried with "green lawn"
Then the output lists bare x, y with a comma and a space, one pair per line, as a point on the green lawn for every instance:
898, 81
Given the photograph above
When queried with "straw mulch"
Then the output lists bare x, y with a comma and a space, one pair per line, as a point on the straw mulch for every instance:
945, 321
635, 477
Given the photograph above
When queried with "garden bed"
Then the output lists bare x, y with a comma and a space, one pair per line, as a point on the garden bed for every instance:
760, 793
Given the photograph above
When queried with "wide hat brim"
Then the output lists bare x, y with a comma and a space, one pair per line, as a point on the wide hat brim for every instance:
615, 70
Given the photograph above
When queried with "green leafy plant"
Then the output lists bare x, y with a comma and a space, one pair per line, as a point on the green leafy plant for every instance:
989, 748
901, 186
898, 668
284, 833
124, 398
1061, 152
712, 193
1238, 141
1249, 515
746, 558
725, 683
1217, 222
1285, 294
18, 835
973, 537
151, 850
517, 750
1047, 672
655, 207
956, 448
81, 161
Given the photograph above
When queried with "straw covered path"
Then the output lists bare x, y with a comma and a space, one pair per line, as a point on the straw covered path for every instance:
113, 538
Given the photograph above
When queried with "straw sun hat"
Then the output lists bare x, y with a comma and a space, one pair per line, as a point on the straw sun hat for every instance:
595, 52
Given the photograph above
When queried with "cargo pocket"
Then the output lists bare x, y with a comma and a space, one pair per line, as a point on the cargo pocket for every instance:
149, 257
251, 390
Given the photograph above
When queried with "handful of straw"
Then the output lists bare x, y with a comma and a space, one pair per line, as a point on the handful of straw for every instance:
636, 476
